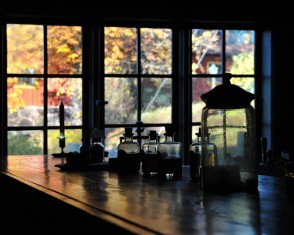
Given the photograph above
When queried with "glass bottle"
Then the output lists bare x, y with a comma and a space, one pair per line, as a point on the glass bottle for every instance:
170, 160
85, 149
196, 154
149, 154
128, 154
96, 150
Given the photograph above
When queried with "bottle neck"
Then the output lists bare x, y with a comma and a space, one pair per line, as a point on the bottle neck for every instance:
96, 140
169, 138
129, 138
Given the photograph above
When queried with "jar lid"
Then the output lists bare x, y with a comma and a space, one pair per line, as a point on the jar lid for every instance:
153, 135
227, 96
169, 131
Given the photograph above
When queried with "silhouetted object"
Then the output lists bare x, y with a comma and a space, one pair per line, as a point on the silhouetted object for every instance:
170, 160
269, 155
128, 154
230, 120
139, 130
195, 154
85, 146
149, 154
101, 102
96, 150
264, 149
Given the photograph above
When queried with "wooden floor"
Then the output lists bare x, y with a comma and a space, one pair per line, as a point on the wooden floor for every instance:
38, 197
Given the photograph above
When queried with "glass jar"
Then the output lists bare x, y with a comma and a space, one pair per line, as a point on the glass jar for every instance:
149, 154
128, 154
96, 151
195, 152
169, 158
230, 120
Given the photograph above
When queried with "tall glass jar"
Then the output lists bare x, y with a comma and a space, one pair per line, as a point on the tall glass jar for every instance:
170, 160
149, 154
230, 119
128, 154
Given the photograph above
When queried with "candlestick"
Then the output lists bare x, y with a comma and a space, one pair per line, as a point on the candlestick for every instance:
61, 140
61, 118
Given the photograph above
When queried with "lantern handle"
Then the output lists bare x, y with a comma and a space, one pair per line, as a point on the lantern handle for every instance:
226, 78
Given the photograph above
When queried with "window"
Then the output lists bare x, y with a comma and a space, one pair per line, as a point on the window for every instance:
138, 80
218, 51
44, 67
147, 74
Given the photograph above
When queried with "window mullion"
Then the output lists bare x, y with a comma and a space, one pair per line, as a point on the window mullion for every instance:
139, 75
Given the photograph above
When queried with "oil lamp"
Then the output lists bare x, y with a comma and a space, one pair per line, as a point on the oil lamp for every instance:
229, 120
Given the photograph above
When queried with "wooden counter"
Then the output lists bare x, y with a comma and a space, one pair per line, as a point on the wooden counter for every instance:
139, 205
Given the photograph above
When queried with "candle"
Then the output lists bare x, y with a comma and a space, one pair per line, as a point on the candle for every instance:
61, 118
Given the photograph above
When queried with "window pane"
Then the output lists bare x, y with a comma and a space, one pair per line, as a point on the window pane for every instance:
245, 83
64, 49
206, 50
120, 50
122, 97
240, 48
156, 49
156, 100
25, 142
199, 87
195, 130
25, 102
72, 141
112, 140
25, 50
69, 91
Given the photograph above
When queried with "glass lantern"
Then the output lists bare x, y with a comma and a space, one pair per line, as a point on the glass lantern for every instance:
229, 119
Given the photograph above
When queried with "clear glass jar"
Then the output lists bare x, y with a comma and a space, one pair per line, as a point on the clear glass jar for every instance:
96, 151
170, 160
128, 154
149, 154
231, 124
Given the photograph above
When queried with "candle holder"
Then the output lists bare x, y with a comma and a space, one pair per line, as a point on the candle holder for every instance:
61, 142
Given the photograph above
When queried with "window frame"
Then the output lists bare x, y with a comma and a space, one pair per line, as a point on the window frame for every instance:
93, 70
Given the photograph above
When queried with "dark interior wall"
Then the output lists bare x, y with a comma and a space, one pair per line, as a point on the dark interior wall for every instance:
282, 89
181, 9
275, 17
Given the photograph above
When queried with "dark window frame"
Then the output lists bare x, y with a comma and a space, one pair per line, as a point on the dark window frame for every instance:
93, 70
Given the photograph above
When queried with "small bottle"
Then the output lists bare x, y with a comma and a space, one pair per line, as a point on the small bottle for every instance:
128, 154
96, 150
170, 160
195, 153
208, 162
85, 149
149, 154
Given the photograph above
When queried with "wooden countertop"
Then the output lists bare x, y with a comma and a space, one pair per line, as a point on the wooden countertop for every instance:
152, 206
